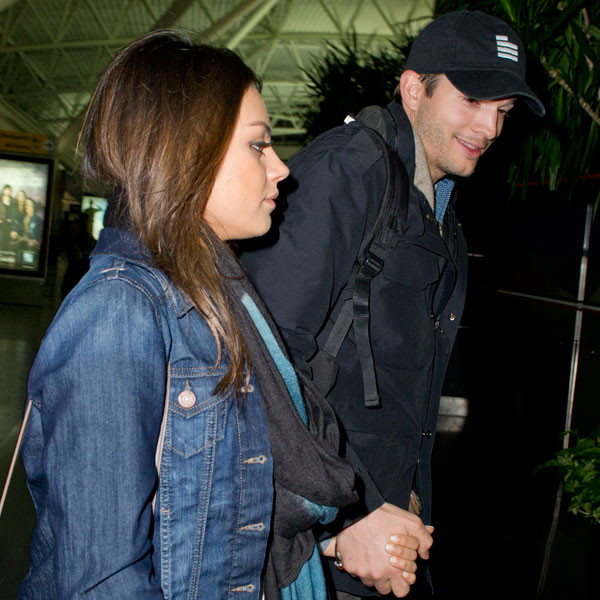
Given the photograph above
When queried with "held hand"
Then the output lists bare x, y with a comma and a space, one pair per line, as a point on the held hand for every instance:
403, 547
362, 547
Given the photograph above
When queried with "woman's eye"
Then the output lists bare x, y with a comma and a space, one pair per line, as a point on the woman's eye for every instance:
260, 146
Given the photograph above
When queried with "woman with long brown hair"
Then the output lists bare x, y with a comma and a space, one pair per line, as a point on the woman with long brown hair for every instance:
170, 452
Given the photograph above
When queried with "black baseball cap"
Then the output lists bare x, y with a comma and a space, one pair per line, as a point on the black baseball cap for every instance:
480, 55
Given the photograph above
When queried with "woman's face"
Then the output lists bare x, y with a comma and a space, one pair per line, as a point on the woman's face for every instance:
245, 188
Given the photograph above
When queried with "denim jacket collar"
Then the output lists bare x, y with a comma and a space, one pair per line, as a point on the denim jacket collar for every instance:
123, 244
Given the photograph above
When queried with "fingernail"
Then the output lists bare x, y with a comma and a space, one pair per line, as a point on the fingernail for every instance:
394, 538
405, 574
394, 560
389, 547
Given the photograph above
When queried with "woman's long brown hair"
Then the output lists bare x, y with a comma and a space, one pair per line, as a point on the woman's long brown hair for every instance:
158, 127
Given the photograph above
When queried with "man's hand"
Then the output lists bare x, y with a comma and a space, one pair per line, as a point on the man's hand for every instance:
381, 549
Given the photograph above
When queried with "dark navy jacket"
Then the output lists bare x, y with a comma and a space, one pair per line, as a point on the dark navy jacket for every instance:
416, 301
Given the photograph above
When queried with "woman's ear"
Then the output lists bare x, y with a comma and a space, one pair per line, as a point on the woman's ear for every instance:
411, 89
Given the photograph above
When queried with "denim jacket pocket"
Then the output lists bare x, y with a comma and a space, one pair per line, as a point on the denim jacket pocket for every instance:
197, 416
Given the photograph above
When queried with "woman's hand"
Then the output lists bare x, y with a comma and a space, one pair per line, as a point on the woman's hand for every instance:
403, 553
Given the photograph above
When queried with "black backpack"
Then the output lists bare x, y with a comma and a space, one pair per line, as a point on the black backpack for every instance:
378, 242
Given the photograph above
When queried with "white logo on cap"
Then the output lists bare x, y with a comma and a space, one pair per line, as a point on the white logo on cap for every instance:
506, 49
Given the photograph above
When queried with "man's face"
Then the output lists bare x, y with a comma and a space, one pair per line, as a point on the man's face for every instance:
455, 129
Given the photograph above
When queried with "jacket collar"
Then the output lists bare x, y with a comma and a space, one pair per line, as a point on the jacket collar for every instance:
122, 244
408, 146
422, 175
400, 137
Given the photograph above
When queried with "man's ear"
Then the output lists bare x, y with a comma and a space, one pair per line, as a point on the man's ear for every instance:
411, 89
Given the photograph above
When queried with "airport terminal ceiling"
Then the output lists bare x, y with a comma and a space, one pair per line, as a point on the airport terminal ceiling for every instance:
52, 52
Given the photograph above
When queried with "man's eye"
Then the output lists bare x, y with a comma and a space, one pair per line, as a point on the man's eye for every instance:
260, 146
471, 101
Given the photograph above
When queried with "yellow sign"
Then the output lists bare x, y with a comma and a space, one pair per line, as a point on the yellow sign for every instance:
26, 143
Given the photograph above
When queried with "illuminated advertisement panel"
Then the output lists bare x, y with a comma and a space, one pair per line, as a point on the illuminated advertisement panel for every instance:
25, 187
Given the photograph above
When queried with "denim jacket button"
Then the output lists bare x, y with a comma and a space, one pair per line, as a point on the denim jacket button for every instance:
186, 399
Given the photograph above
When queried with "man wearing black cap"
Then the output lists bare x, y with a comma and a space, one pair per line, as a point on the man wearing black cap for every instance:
464, 74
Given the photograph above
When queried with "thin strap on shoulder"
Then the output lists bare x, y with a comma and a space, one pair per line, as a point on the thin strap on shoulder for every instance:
163, 427
13, 462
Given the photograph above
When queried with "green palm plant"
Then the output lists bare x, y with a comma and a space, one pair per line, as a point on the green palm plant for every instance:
348, 78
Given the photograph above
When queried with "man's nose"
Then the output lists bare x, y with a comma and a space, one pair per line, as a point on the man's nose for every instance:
486, 123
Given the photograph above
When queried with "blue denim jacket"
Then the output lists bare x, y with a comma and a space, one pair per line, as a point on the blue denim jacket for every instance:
98, 387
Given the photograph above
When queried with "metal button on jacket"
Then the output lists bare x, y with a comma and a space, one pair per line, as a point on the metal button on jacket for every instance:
452, 317
187, 398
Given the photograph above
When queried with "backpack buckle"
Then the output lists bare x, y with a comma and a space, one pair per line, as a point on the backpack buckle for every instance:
371, 265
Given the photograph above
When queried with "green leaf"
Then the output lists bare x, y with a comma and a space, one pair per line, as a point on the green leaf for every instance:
565, 15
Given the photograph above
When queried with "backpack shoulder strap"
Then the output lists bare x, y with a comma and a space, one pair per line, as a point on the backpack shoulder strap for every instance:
388, 228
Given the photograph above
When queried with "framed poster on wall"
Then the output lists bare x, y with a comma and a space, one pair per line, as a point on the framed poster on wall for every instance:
25, 193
